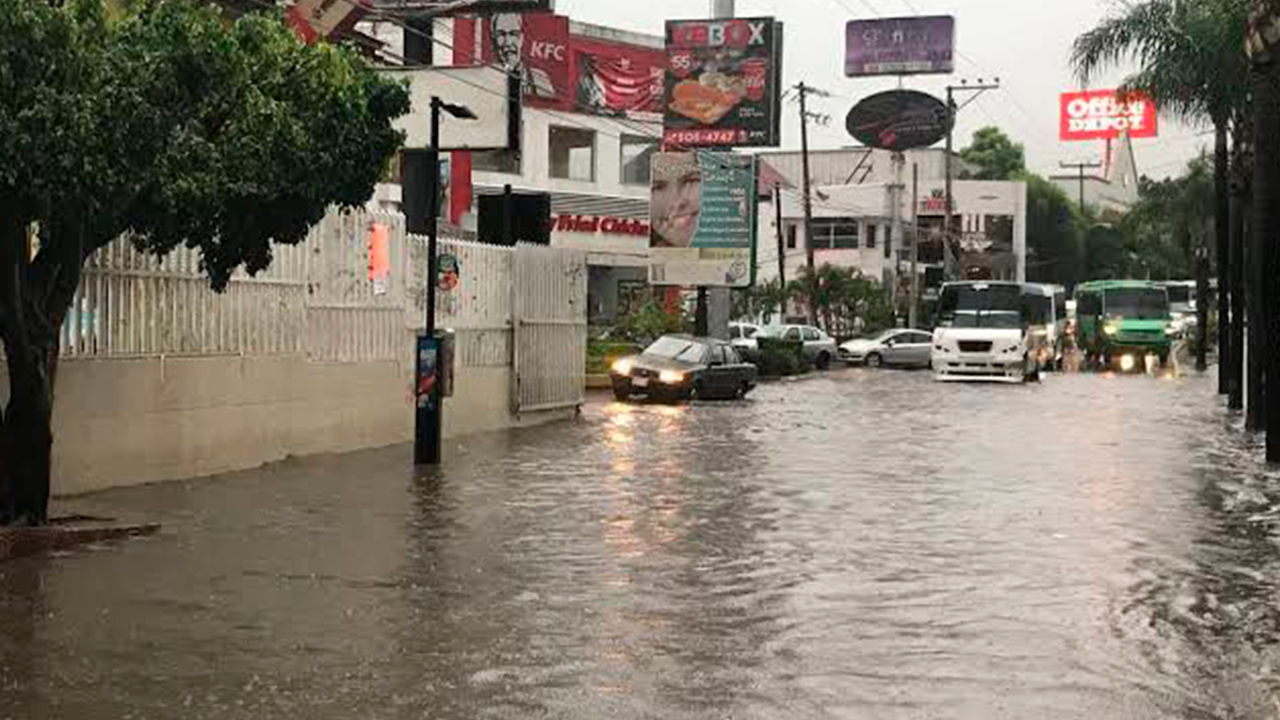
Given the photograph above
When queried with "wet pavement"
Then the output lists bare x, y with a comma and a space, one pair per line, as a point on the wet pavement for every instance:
863, 545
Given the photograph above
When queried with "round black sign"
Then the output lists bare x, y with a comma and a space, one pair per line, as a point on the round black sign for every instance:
899, 120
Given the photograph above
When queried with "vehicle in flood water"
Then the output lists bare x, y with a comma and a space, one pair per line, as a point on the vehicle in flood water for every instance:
1046, 311
1124, 321
983, 334
681, 367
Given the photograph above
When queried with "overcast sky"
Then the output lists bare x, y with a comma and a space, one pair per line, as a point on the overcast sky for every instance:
1026, 43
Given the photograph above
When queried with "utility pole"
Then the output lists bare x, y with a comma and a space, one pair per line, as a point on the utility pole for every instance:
899, 161
1081, 167
804, 91
977, 89
914, 313
782, 245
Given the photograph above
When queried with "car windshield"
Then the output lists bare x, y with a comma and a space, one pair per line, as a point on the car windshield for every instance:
1138, 303
998, 319
679, 349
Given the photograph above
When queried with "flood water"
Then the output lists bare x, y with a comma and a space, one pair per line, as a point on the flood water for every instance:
864, 545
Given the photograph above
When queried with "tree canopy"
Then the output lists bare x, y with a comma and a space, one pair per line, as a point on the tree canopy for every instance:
996, 155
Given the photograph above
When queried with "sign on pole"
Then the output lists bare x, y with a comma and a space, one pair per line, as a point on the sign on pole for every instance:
900, 46
703, 219
1102, 115
899, 120
723, 83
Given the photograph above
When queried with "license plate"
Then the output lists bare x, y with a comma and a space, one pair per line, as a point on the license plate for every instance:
640, 382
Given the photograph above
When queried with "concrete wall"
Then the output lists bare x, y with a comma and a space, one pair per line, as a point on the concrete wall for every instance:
122, 422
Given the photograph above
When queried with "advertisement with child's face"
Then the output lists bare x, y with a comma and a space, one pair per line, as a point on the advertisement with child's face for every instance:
702, 219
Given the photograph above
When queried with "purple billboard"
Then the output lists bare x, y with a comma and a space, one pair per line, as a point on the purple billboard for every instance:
900, 46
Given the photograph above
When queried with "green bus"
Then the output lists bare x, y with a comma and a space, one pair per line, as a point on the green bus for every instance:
1119, 319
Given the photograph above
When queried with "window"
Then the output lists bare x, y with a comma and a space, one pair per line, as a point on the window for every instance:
1090, 304
921, 338
835, 234
872, 232
636, 153
731, 356
496, 161
811, 335
792, 334
717, 355
791, 237
573, 154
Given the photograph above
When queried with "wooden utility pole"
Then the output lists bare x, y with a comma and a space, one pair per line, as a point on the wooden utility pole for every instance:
949, 228
782, 244
810, 260
914, 313
1080, 167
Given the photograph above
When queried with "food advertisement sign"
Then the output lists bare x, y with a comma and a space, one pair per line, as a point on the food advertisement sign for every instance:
723, 84
574, 73
1102, 115
703, 219
900, 46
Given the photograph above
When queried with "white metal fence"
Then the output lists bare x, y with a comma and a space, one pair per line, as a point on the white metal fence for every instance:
523, 308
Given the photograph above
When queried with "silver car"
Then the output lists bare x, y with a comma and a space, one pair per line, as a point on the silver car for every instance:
818, 346
893, 348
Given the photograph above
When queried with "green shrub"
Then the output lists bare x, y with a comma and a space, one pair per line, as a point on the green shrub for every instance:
781, 358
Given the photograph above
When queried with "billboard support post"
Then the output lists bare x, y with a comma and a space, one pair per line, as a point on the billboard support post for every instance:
913, 314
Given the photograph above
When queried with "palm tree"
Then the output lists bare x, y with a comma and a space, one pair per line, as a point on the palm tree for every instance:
1192, 63
1264, 44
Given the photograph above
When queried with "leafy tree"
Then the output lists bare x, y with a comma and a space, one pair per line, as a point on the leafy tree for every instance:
177, 126
996, 155
1055, 234
765, 299
846, 301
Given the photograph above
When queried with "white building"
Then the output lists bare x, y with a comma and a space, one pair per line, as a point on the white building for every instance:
1114, 189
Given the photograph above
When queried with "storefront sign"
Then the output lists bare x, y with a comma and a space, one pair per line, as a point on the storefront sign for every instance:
703, 219
900, 46
379, 258
567, 72
605, 225
1100, 115
899, 120
723, 82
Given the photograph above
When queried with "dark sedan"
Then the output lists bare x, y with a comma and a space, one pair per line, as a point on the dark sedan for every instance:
678, 367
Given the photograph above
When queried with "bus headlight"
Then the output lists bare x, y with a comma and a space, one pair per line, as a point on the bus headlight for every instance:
1111, 328
1128, 363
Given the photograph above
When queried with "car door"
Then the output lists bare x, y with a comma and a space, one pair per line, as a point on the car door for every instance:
718, 381
812, 342
917, 349
892, 349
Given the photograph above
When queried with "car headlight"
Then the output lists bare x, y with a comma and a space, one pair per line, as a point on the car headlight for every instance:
671, 377
1172, 330
1111, 329
623, 367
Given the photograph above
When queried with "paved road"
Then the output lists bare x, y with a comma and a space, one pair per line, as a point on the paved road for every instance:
865, 545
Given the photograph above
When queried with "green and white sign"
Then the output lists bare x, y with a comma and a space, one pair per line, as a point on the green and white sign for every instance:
703, 217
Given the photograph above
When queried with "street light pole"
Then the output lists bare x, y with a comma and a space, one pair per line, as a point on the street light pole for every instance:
429, 403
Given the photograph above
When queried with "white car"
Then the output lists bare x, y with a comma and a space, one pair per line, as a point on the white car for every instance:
743, 337
819, 347
892, 348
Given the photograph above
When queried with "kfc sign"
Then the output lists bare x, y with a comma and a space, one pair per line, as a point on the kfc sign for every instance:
1100, 115
606, 225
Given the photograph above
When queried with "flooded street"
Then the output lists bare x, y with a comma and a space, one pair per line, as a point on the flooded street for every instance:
862, 545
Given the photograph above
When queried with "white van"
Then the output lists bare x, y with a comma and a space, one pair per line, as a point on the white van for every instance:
982, 334
1046, 315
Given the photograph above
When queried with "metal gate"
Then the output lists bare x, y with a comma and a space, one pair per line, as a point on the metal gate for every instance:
549, 303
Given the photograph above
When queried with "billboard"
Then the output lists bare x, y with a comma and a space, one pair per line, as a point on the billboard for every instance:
1102, 115
315, 20
900, 46
899, 120
487, 91
723, 82
562, 71
703, 214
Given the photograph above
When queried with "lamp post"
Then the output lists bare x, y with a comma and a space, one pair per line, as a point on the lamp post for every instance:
429, 417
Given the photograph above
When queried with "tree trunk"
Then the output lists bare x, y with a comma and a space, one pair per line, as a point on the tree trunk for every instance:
1239, 209
1222, 232
1202, 306
1255, 417
1266, 228
26, 438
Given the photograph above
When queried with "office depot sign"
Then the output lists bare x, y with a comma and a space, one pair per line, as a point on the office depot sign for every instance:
1099, 115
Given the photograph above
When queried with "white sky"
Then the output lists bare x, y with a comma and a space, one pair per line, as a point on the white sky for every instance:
1026, 43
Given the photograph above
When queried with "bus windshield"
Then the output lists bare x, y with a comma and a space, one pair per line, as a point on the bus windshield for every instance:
1138, 303
981, 306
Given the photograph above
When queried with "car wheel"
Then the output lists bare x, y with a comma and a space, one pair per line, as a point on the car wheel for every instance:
823, 362
743, 388
622, 394
874, 360
696, 392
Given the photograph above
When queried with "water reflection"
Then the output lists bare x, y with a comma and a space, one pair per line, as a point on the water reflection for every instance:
861, 545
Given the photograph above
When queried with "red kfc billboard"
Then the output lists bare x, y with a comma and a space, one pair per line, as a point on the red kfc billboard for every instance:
1101, 115
563, 71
